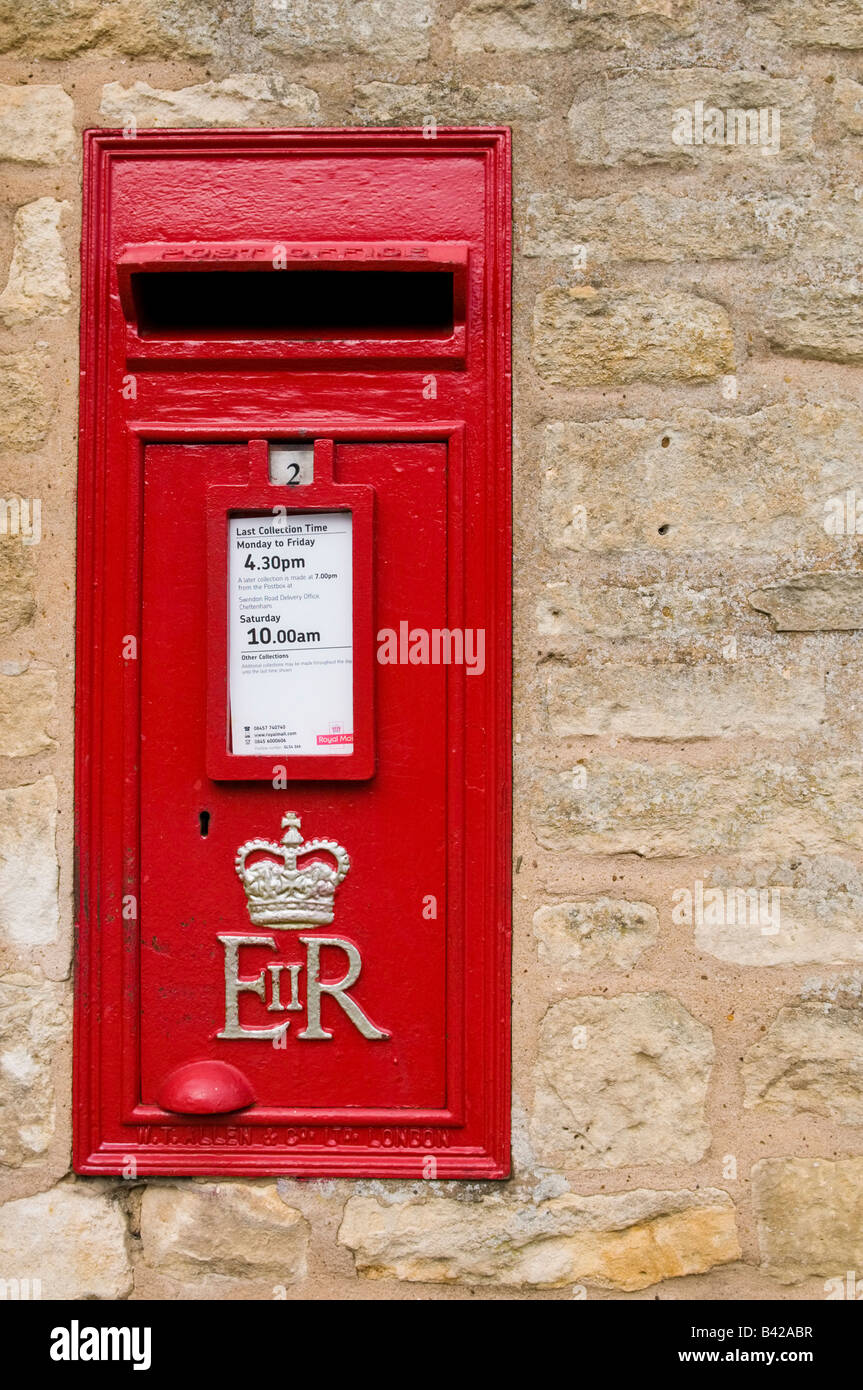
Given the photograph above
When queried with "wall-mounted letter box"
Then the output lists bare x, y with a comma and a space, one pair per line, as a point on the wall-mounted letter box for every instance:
294, 655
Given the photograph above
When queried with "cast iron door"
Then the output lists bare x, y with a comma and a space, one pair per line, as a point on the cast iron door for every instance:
401, 904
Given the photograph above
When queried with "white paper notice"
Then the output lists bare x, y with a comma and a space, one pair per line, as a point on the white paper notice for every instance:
291, 634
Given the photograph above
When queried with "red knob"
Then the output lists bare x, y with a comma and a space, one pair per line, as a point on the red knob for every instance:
205, 1088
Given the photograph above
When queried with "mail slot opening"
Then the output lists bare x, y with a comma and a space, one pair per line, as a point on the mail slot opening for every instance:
320, 303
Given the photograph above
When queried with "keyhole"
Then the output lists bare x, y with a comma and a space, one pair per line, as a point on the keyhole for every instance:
204, 818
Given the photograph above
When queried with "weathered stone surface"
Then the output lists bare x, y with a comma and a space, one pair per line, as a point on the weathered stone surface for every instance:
26, 398
29, 873
190, 29
817, 904
809, 1060
626, 1241
225, 1229
17, 600
846, 989
810, 931
609, 933
589, 337
669, 809
849, 105
825, 23
648, 225
511, 26
38, 280
678, 701
810, 1216
618, 612
696, 481
540, 26
411, 104
628, 117
72, 1238
621, 1081
34, 1016
813, 603
27, 700
247, 99
393, 31
36, 124
824, 321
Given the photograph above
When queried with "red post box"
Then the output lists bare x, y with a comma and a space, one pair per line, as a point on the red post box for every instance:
293, 735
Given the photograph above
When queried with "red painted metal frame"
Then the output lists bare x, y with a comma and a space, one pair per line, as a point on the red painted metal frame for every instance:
255, 497
112, 1125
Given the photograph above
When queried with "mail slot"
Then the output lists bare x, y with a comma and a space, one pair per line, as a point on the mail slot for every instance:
293, 666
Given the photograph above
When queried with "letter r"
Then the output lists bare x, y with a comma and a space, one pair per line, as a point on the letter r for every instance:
339, 989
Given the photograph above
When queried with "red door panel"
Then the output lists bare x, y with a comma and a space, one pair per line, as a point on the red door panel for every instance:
190, 890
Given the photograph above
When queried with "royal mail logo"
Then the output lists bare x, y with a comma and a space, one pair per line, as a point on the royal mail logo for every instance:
279, 893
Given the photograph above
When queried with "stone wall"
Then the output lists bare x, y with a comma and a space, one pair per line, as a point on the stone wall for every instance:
688, 967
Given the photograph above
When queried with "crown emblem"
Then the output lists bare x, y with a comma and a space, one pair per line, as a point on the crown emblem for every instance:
281, 895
